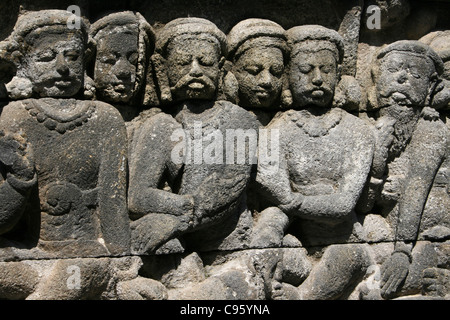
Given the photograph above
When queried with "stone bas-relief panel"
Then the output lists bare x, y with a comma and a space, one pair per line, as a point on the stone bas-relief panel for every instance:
180, 160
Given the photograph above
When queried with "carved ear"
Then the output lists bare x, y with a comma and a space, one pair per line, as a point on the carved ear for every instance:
89, 88
347, 94
19, 88
286, 99
91, 49
372, 97
228, 84
162, 80
150, 94
10, 59
433, 88
441, 96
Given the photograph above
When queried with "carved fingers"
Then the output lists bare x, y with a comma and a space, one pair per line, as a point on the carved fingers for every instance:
16, 155
393, 273
294, 204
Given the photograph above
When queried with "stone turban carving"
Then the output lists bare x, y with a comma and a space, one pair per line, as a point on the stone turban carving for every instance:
314, 38
257, 32
196, 27
413, 47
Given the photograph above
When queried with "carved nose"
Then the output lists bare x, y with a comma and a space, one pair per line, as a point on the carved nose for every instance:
61, 65
196, 70
317, 77
265, 79
402, 78
122, 70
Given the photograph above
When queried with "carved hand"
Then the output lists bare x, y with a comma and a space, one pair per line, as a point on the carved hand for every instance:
226, 192
294, 204
16, 155
430, 114
393, 272
188, 219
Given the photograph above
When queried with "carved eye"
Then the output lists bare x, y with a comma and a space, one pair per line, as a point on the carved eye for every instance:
253, 70
304, 68
277, 70
205, 61
108, 59
183, 61
327, 69
393, 69
46, 56
415, 73
72, 55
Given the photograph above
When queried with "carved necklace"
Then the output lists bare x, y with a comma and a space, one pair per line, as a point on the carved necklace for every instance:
63, 117
316, 126
209, 119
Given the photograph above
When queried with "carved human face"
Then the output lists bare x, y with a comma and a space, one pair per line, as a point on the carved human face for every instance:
259, 73
193, 68
116, 65
54, 62
313, 78
403, 79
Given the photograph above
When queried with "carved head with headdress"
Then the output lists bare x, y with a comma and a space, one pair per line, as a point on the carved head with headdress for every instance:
258, 51
405, 73
189, 60
48, 56
315, 64
124, 43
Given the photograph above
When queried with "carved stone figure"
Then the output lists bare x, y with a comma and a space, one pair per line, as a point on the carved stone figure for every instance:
435, 221
124, 42
258, 50
78, 148
438, 41
325, 157
143, 157
410, 148
17, 179
206, 193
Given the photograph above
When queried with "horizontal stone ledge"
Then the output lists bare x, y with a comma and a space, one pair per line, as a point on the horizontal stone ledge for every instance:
14, 254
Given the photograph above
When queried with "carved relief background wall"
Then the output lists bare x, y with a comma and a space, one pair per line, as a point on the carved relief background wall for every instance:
117, 179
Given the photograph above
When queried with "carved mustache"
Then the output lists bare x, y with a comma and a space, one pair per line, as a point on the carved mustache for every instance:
324, 89
187, 80
62, 82
118, 86
398, 94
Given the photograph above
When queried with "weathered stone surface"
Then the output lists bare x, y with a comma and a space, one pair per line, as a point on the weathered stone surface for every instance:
226, 150
124, 43
18, 280
75, 206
